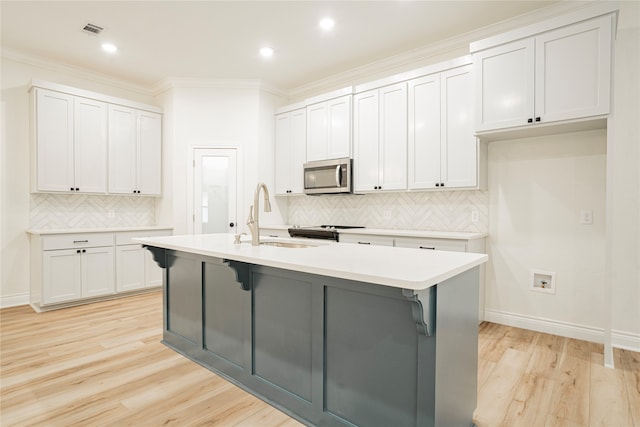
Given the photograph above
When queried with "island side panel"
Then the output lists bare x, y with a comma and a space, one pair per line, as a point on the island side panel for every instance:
371, 357
183, 295
457, 349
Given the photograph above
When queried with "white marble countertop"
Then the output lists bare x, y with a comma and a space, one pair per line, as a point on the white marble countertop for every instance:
97, 230
405, 268
454, 235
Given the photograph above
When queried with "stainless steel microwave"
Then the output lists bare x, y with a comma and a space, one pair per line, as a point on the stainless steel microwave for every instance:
328, 176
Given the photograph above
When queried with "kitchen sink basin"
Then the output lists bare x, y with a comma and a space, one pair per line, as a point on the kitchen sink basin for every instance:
287, 244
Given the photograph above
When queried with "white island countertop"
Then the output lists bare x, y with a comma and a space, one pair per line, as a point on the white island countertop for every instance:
404, 268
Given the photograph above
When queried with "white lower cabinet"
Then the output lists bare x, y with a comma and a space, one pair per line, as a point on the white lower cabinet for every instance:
70, 274
431, 244
67, 268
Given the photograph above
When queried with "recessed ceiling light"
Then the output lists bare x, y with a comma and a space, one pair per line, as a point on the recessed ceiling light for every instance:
266, 52
110, 48
327, 24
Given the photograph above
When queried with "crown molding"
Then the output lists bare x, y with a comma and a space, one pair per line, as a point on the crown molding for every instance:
83, 73
200, 83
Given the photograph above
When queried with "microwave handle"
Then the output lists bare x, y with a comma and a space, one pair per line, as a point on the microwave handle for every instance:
338, 180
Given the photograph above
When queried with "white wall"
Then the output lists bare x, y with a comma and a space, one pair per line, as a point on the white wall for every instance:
14, 179
537, 189
218, 115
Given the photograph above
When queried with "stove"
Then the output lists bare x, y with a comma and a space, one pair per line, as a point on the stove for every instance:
327, 232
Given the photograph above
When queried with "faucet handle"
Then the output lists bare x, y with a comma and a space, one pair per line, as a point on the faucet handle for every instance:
250, 219
237, 238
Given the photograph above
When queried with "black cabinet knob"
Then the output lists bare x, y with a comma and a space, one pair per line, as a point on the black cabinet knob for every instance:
71, 189
231, 224
442, 184
529, 120
437, 184
77, 189
84, 251
537, 119
78, 251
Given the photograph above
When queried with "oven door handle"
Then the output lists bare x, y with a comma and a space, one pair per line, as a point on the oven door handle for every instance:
338, 180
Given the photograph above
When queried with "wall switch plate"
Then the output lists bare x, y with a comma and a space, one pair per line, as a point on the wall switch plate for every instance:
475, 216
586, 216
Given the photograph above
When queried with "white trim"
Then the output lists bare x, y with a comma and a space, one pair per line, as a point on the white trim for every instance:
621, 339
199, 83
330, 95
14, 300
93, 95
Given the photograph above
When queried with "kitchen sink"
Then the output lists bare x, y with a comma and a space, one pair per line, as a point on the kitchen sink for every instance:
287, 244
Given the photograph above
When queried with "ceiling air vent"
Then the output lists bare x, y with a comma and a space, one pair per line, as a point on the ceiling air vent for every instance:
92, 29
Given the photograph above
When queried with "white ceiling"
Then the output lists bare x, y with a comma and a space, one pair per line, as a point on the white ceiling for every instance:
221, 39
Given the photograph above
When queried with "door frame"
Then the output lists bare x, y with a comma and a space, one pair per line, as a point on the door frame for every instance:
191, 157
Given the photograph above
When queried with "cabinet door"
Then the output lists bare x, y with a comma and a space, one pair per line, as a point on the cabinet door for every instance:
573, 71
122, 150
130, 267
283, 153
459, 145
366, 141
97, 271
298, 148
504, 85
424, 132
90, 145
393, 137
152, 272
61, 275
317, 132
54, 141
339, 127
148, 153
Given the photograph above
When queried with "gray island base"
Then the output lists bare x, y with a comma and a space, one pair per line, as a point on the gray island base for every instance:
325, 350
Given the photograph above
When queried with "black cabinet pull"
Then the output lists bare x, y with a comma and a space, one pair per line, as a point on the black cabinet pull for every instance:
84, 251
80, 241
529, 120
437, 184
442, 184
78, 251
71, 189
537, 119
427, 247
364, 243
77, 189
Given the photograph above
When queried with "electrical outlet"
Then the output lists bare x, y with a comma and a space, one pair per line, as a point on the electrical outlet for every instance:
475, 216
111, 213
586, 217
386, 214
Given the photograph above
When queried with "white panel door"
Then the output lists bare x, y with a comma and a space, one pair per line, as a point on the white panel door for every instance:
122, 150
573, 67
339, 127
424, 132
54, 141
459, 145
317, 132
98, 271
90, 145
393, 137
130, 267
366, 130
215, 198
504, 85
149, 153
61, 272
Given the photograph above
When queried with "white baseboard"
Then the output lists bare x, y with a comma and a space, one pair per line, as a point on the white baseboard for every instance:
14, 300
620, 339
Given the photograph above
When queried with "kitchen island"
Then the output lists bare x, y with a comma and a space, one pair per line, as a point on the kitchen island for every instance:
335, 334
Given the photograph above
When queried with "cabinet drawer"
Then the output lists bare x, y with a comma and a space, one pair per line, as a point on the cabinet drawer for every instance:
366, 239
70, 241
125, 237
435, 244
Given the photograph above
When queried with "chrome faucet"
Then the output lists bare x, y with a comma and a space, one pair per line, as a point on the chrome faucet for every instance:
253, 220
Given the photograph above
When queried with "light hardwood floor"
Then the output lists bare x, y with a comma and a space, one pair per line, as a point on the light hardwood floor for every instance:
103, 364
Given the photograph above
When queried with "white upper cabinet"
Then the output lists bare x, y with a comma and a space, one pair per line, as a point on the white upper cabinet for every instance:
291, 136
329, 129
85, 142
558, 75
380, 139
135, 138
443, 151
70, 143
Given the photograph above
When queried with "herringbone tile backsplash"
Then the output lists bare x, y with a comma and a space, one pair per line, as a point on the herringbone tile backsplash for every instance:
434, 210
54, 211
